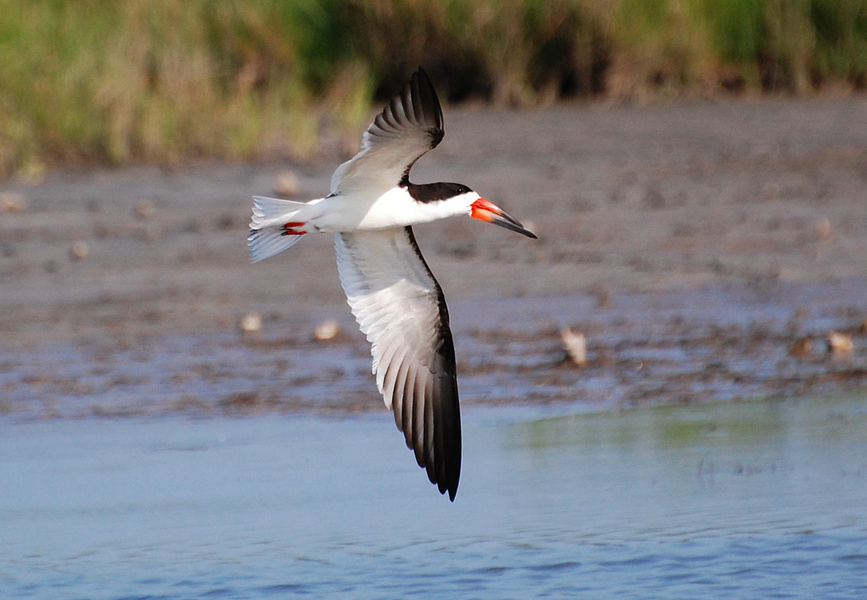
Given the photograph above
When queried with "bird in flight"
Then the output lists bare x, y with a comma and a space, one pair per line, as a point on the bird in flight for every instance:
392, 292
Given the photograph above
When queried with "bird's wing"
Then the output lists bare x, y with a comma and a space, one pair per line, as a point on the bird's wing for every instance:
409, 125
401, 309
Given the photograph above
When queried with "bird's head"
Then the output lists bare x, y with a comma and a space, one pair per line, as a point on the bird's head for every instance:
451, 199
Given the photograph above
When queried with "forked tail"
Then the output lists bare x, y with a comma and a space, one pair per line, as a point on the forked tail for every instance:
269, 234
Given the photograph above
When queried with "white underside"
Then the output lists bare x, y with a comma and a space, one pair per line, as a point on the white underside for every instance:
343, 213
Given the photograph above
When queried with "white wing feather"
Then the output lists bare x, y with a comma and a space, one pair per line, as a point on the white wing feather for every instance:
400, 308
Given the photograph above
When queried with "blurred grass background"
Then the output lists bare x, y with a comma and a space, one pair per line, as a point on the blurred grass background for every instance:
162, 80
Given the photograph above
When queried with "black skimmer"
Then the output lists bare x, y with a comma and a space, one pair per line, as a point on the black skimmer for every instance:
395, 298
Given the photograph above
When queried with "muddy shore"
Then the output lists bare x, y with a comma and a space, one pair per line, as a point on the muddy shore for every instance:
705, 249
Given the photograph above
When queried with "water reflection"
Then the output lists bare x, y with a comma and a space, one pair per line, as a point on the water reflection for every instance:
736, 469
731, 500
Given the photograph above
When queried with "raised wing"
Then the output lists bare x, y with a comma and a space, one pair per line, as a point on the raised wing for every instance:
409, 125
401, 309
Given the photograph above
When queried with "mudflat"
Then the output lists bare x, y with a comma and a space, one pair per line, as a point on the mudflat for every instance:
706, 249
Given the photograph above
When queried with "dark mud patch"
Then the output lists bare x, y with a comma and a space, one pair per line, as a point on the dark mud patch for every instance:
643, 349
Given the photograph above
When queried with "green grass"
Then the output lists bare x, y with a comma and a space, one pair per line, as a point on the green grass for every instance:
161, 80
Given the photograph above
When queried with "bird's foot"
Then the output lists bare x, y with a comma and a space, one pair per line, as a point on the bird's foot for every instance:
293, 228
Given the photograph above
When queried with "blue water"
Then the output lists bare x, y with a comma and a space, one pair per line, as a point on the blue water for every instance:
743, 500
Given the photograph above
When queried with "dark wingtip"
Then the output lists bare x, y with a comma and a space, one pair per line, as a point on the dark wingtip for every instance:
453, 482
429, 102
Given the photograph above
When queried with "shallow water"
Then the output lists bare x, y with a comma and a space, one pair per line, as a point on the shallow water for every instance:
761, 499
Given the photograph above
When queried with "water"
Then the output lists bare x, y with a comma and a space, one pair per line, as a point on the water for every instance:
762, 499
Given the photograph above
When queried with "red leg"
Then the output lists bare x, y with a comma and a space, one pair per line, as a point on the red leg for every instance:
290, 228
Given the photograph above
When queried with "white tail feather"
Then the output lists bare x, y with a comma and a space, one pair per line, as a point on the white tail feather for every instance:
265, 243
267, 236
273, 211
